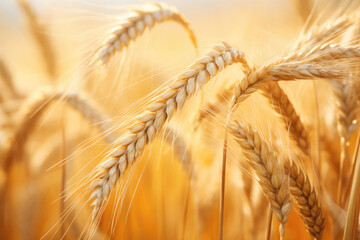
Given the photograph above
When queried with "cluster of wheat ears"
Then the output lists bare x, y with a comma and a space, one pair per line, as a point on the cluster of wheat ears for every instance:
301, 167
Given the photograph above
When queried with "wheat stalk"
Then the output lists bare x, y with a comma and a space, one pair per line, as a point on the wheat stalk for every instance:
135, 25
352, 216
306, 199
268, 168
150, 123
38, 31
7, 78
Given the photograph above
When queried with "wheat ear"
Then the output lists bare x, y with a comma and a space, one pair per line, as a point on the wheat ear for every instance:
347, 112
268, 168
306, 199
277, 72
150, 123
36, 105
325, 33
333, 52
135, 25
296, 66
277, 97
307, 57
38, 31
279, 101
283, 106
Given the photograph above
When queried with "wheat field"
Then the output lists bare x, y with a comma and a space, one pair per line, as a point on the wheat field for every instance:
179, 119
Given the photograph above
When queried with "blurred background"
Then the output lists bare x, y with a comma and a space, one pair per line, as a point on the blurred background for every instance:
161, 198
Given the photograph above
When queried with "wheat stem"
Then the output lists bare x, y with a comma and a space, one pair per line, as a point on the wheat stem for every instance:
222, 189
352, 216
269, 224
38, 31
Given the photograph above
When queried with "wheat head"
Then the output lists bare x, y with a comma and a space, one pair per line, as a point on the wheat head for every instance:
283, 106
144, 129
135, 25
306, 199
273, 181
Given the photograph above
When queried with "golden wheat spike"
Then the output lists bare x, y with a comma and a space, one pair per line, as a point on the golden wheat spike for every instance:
135, 24
131, 145
307, 199
268, 168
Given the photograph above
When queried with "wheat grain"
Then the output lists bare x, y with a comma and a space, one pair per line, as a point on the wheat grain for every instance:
306, 199
135, 25
268, 168
150, 123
